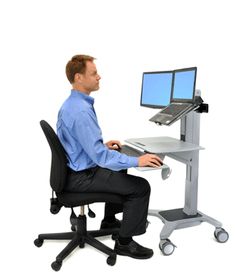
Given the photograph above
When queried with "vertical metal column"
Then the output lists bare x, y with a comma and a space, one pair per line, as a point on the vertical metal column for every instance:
190, 132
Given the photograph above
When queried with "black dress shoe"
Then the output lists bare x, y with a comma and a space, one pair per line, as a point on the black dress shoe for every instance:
133, 250
110, 225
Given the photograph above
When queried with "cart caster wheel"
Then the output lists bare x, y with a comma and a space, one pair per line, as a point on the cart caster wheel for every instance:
221, 235
56, 265
166, 247
111, 260
38, 242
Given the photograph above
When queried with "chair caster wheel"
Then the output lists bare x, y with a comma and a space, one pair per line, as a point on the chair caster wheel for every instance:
73, 228
114, 236
38, 242
221, 235
111, 260
82, 245
56, 265
166, 247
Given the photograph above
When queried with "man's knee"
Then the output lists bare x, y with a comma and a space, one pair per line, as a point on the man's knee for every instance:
143, 186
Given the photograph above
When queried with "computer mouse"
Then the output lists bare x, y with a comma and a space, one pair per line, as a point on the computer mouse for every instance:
161, 163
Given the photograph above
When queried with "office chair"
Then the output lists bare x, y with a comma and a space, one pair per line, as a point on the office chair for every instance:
79, 235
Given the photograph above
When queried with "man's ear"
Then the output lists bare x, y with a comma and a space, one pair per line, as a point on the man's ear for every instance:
77, 77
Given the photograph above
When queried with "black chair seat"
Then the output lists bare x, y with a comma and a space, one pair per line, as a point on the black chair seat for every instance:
78, 199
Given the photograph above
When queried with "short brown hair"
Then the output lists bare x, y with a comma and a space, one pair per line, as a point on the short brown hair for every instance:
77, 64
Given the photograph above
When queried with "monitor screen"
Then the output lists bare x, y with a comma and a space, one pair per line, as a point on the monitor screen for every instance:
184, 82
156, 89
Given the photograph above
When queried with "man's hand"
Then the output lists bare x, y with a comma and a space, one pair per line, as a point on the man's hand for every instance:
113, 144
149, 160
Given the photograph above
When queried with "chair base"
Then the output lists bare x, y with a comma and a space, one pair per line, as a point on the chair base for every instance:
80, 237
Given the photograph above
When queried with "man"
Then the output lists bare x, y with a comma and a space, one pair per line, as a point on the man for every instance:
95, 166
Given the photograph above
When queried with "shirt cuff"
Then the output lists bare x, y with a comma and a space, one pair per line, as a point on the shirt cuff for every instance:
133, 161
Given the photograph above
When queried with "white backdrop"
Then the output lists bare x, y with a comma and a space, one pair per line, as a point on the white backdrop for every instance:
127, 38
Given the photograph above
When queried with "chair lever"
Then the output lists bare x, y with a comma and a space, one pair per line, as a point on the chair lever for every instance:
91, 213
73, 218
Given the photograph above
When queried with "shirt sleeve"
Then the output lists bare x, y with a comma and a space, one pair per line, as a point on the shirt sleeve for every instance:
88, 133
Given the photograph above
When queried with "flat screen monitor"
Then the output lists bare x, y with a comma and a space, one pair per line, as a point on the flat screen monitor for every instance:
184, 81
156, 89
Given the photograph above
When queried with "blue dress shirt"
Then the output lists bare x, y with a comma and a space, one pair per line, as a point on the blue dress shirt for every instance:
81, 136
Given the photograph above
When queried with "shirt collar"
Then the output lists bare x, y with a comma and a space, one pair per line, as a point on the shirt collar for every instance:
89, 99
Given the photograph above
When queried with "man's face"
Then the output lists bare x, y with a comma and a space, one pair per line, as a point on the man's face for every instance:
90, 79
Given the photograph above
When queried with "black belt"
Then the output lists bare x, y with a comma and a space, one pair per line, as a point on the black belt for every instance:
88, 170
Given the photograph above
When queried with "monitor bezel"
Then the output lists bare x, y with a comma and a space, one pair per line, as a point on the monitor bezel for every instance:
151, 105
173, 84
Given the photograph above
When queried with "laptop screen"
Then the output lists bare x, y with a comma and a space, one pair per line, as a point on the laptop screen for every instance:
156, 89
184, 82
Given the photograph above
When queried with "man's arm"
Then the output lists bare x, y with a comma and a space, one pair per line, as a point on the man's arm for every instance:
89, 135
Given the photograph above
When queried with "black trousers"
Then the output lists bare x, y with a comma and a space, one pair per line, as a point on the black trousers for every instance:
135, 191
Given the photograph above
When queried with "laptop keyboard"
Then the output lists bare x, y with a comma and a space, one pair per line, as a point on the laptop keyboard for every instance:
130, 151
174, 109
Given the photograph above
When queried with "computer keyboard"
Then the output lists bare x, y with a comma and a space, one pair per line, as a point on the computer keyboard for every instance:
130, 151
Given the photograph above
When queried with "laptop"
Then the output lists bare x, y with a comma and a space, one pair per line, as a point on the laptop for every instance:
182, 97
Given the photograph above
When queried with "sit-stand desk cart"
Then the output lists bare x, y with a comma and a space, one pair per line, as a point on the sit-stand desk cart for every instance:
185, 150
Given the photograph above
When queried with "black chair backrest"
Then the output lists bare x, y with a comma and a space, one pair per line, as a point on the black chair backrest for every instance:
58, 160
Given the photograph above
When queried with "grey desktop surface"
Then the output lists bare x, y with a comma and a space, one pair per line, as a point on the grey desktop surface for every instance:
162, 144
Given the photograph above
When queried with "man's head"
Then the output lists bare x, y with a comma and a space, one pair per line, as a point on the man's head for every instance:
82, 73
